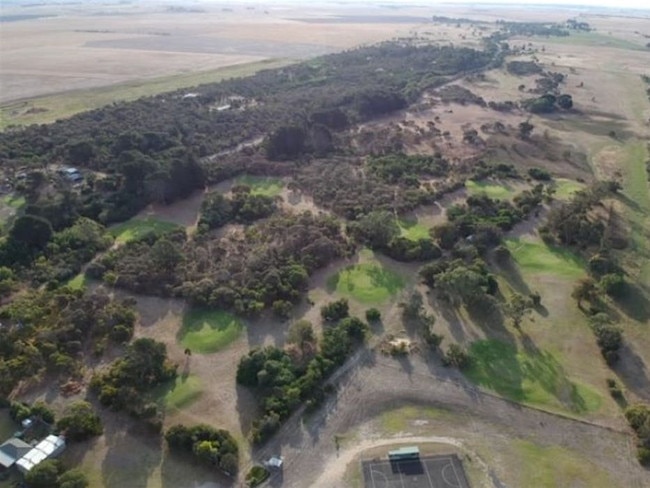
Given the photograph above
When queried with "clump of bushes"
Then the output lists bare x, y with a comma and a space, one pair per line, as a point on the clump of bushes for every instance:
257, 475
216, 447
638, 416
456, 357
80, 422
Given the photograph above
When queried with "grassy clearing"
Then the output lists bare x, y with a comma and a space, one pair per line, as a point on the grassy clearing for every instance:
366, 282
492, 190
184, 391
412, 229
78, 282
533, 256
548, 467
401, 419
13, 201
49, 108
565, 188
637, 189
533, 376
137, 228
262, 185
207, 331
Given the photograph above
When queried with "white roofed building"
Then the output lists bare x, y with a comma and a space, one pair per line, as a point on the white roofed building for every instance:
48, 448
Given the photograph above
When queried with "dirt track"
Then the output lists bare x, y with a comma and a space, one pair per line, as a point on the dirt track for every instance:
373, 384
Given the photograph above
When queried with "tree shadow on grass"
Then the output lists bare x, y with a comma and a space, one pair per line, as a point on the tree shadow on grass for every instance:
634, 303
132, 456
633, 372
184, 470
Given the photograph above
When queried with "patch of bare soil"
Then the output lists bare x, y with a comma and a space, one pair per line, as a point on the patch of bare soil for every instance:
298, 202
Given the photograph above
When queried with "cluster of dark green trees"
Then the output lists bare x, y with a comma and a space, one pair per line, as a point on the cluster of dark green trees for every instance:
214, 447
284, 378
243, 207
56, 330
128, 383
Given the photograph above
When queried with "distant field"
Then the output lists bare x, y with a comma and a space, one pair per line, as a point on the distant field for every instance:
137, 228
533, 376
52, 107
261, 185
594, 39
535, 257
367, 282
208, 331
492, 190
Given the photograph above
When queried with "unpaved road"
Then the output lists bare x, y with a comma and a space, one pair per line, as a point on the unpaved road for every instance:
372, 384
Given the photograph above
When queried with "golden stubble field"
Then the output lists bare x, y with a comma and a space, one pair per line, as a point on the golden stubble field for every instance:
73, 47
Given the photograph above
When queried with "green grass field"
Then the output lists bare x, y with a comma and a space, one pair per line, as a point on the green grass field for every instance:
535, 257
207, 331
182, 392
564, 188
49, 108
492, 190
366, 282
262, 185
534, 377
412, 229
594, 39
137, 228
549, 467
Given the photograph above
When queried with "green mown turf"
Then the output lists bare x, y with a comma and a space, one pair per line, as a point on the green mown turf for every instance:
366, 282
182, 392
78, 282
399, 420
262, 185
534, 377
207, 331
412, 230
537, 258
564, 188
492, 190
549, 467
137, 228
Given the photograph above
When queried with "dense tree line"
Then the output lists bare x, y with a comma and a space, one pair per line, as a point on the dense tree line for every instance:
638, 416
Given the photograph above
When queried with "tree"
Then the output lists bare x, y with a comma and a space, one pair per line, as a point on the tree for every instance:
32, 231
44, 475
73, 479
376, 229
373, 315
525, 129
334, 311
80, 422
516, 308
565, 102
585, 290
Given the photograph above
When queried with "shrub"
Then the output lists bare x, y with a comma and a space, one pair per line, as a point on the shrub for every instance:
373, 315
44, 474
539, 174
257, 475
334, 311
613, 284
73, 479
456, 356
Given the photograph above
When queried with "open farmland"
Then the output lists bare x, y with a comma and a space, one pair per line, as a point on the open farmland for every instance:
384, 247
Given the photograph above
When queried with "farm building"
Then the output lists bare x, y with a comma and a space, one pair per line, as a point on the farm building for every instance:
50, 447
11, 451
